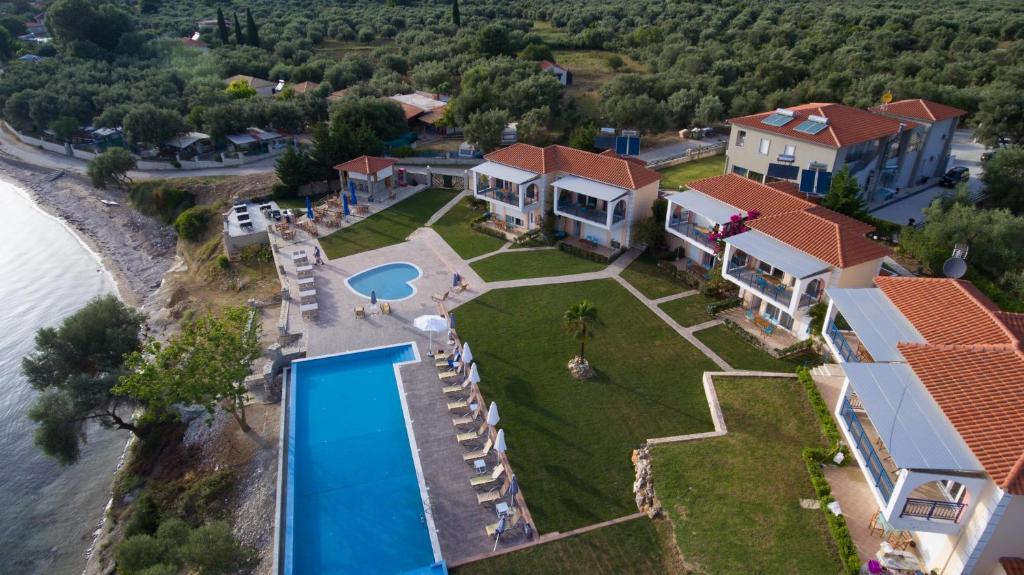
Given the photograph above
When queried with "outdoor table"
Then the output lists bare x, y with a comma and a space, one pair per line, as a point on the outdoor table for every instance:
501, 509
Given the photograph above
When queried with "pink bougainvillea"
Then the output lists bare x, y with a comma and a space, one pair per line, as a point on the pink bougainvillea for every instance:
736, 225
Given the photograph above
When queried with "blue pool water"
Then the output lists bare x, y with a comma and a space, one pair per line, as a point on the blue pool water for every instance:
391, 281
353, 500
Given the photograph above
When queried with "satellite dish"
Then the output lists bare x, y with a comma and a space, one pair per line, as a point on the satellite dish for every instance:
956, 266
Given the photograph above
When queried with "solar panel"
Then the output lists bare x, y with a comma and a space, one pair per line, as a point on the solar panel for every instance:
810, 127
777, 120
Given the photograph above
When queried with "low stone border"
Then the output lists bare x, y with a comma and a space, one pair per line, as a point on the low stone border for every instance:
548, 538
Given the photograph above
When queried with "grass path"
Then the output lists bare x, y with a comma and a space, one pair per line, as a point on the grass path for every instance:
514, 265
682, 174
387, 227
570, 441
455, 228
735, 499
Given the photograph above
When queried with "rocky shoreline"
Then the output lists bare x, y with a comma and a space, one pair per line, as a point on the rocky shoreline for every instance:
137, 250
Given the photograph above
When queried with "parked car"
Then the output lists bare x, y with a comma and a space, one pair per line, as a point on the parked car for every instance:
954, 176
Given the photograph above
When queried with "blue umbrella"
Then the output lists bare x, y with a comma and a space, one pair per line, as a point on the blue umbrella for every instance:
513, 488
455, 279
344, 205
373, 297
451, 320
352, 190
309, 207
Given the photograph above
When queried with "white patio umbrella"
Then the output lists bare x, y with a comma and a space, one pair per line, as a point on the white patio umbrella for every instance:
499, 443
474, 374
492, 414
467, 356
430, 324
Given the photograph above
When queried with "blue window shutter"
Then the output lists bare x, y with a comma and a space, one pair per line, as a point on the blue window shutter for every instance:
807, 182
824, 182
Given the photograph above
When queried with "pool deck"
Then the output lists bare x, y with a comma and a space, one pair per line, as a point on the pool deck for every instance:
459, 519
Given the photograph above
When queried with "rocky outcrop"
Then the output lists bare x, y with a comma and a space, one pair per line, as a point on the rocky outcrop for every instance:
580, 368
643, 487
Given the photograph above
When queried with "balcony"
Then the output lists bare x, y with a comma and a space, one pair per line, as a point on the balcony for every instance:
842, 346
932, 510
693, 231
589, 214
862, 441
765, 285
502, 195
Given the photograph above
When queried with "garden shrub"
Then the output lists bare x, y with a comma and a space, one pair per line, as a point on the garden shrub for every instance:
138, 553
191, 224
145, 517
160, 201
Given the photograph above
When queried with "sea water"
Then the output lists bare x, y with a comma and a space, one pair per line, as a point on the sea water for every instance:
48, 514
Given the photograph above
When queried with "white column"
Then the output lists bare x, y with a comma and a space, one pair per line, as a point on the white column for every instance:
520, 195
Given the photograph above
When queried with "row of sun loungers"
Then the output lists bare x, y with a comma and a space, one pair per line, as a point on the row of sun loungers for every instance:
308, 306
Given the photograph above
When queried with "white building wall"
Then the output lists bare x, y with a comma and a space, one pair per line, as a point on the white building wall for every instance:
859, 276
1006, 538
950, 554
748, 156
935, 149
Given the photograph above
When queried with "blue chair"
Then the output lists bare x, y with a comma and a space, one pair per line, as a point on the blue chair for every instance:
769, 329
750, 314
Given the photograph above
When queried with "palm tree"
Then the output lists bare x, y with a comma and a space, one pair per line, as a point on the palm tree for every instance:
580, 322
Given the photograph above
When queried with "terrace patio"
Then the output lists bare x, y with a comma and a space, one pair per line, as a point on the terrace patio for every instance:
589, 246
779, 338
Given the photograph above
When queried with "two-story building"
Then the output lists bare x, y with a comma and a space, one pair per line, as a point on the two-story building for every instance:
780, 249
932, 407
594, 198
928, 151
808, 144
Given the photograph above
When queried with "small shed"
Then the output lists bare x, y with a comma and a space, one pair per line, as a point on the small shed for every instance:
369, 175
562, 73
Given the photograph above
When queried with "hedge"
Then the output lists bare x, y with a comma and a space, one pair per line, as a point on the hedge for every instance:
587, 255
728, 303
813, 458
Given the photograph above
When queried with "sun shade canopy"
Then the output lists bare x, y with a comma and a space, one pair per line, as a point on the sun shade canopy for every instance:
704, 205
778, 254
915, 431
503, 172
878, 324
590, 188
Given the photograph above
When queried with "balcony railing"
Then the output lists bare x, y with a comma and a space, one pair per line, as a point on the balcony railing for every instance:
860, 438
501, 194
759, 282
843, 346
591, 214
930, 509
693, 231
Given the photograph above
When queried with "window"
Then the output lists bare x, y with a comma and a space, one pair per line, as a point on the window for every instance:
741, 136
771, 312
512, 221
785, 320
756, 176
764, 267
763, 148
739, 171
789, 150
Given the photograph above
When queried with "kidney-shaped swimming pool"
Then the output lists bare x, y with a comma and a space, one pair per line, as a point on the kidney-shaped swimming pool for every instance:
391, 282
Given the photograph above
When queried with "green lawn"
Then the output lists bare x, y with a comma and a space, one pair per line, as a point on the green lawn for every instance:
645, 276
682, 174
740, 354
455, 228
633, 547
735, 499
570, 441
690, 310
532, 264
387, 227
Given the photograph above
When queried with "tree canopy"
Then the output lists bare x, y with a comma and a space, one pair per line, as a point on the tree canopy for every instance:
74, 367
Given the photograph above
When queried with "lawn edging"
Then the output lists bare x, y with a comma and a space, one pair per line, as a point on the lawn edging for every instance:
547, 538
813, 458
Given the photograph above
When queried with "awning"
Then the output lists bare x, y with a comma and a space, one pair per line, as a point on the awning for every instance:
241, 139
778, 254
878, 324
783, 172
915, 431
589, 188
703, 204
186, 140
503, 172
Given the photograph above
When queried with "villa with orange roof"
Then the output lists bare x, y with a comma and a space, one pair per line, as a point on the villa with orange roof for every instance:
594, 198
780, 249
932, 407
904, 144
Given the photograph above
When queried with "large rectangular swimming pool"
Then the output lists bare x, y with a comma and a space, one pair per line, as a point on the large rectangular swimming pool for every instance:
354, 498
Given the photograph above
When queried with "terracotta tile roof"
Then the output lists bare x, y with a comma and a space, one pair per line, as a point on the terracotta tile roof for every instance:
1012, 565
746, 194
794, 190
846, 126
365, 165
972, 364
613, 154
948, 311
924, 110
548, 64
615, 171
824, 234
980, 389
410, 111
